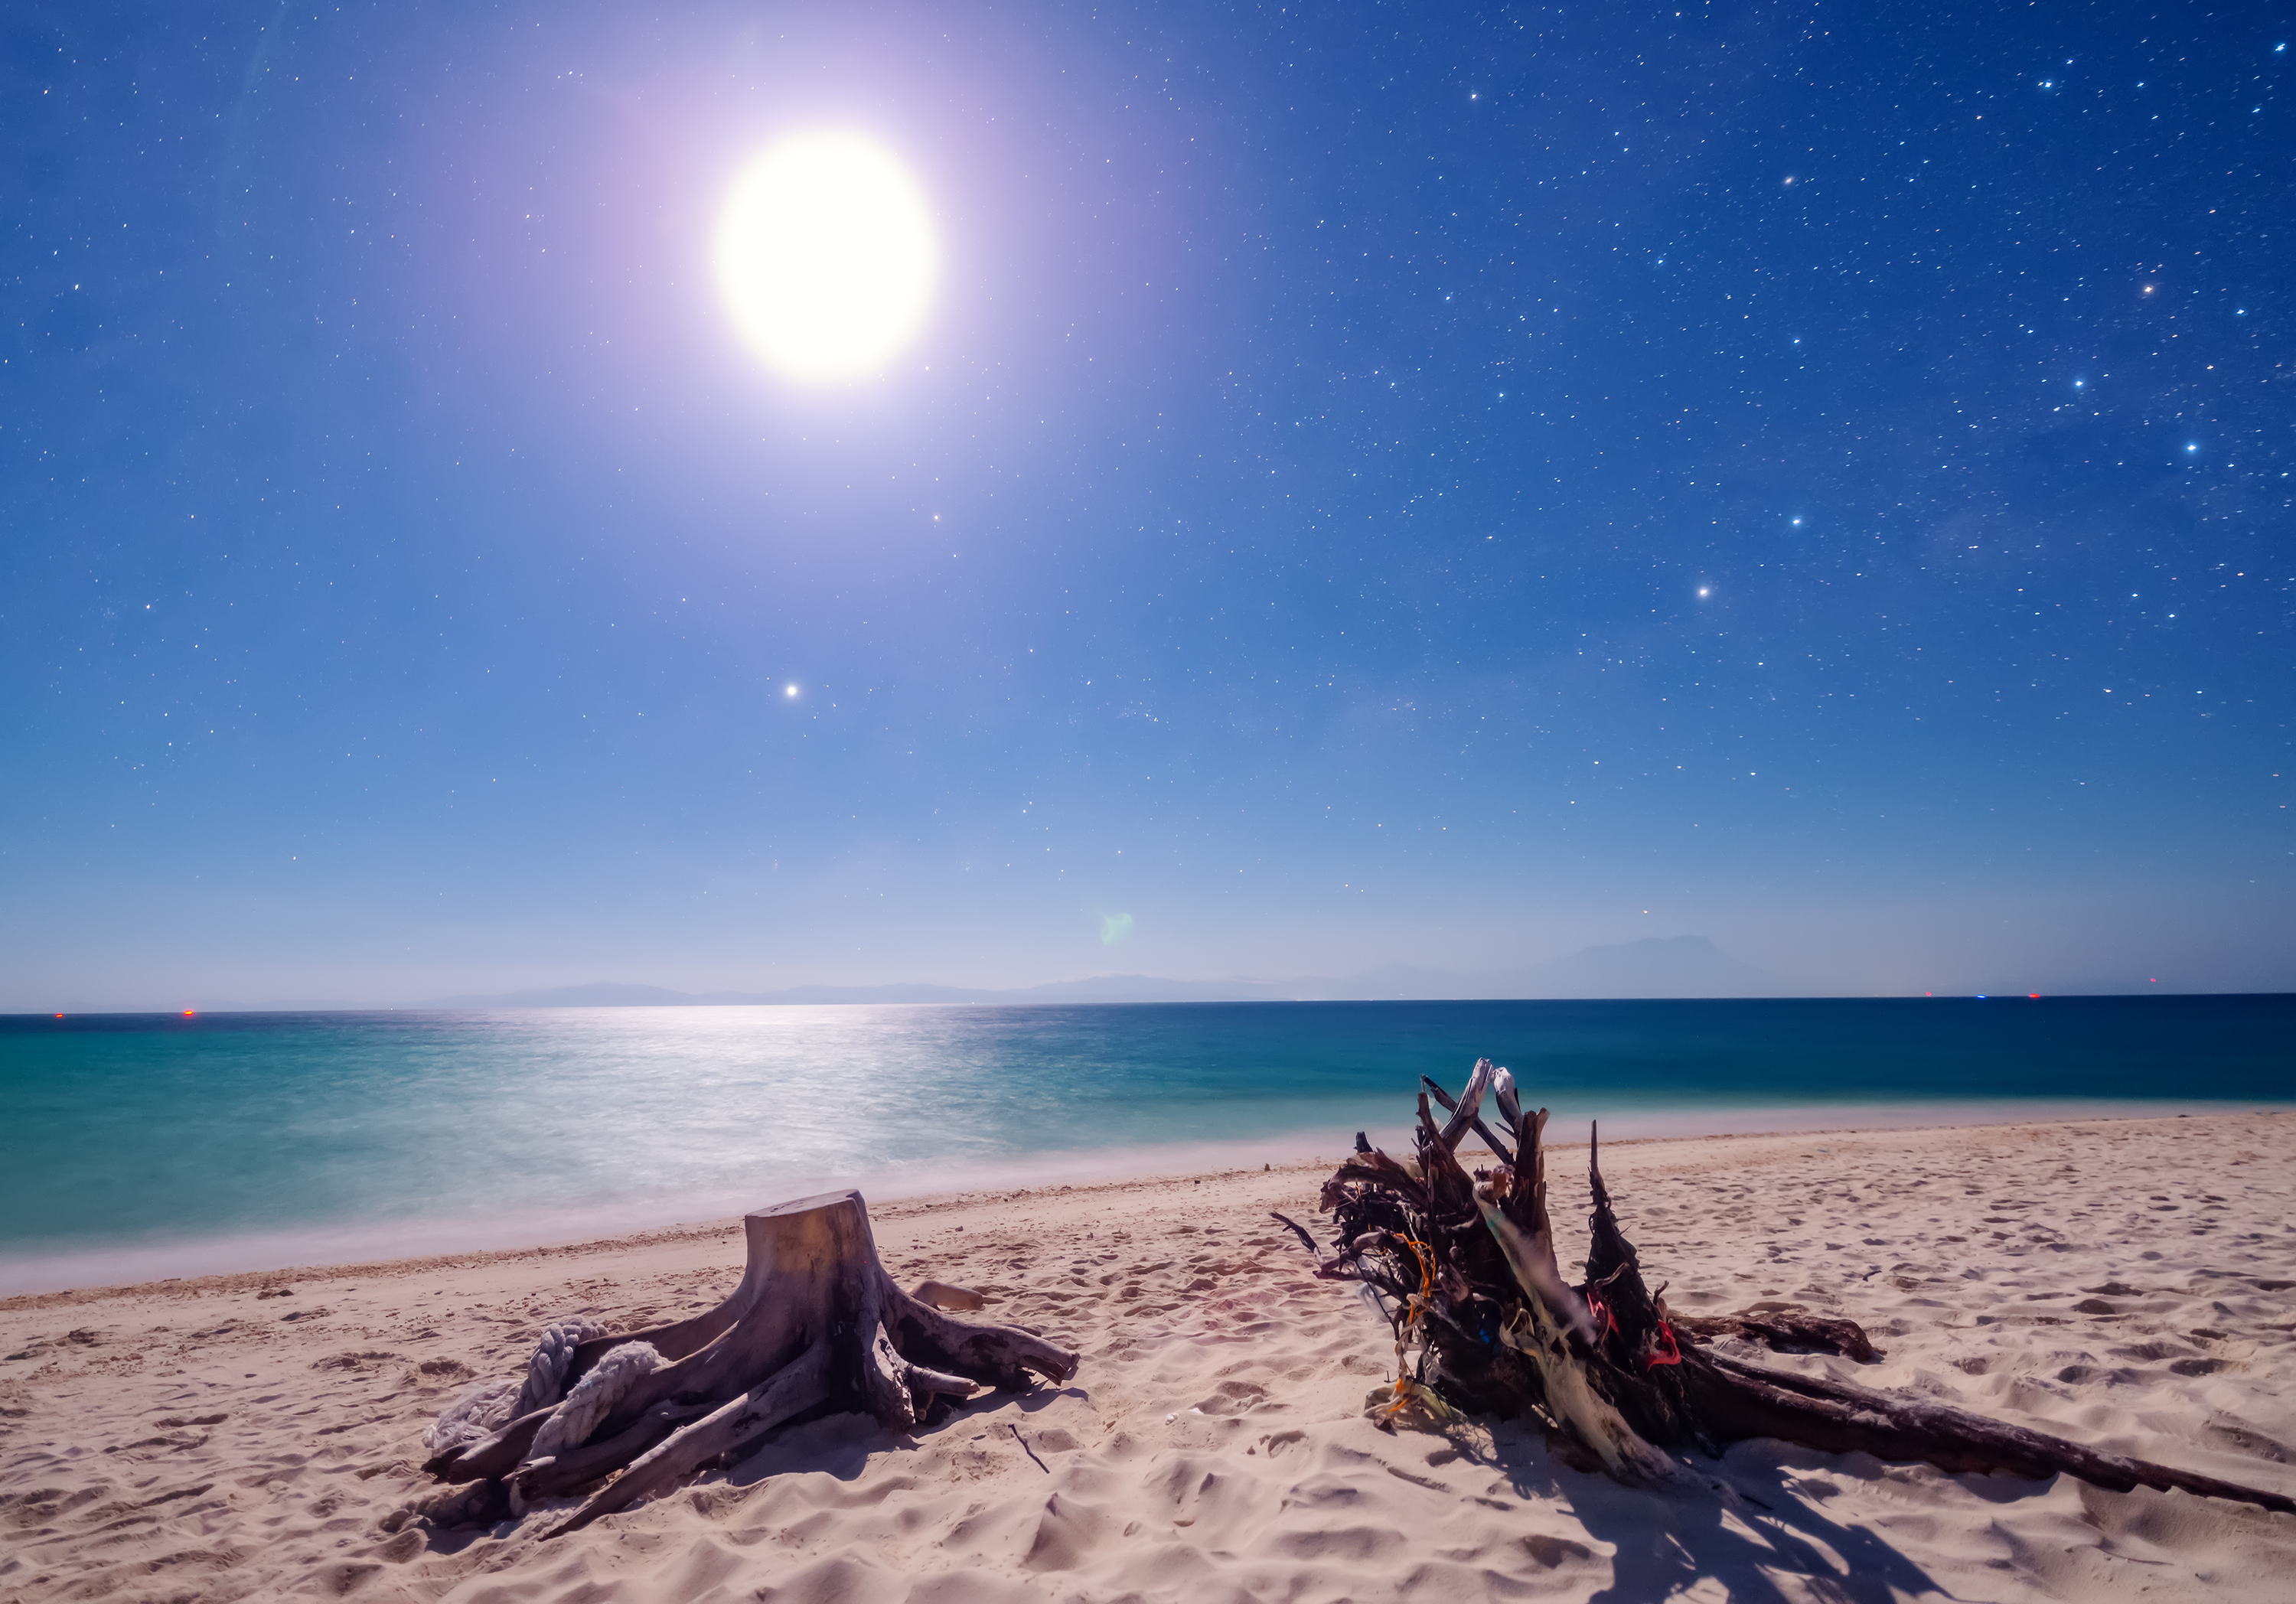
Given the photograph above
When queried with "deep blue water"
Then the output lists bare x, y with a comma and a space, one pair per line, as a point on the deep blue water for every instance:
134, 1127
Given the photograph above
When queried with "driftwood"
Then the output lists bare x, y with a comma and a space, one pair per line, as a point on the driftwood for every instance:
1464, 1265
817, 1324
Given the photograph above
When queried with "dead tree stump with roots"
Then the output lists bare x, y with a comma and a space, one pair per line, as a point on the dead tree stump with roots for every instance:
816, 1322
1466, 1266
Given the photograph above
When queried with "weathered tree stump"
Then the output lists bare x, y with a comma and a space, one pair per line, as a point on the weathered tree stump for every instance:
1466, 1267
816, 1323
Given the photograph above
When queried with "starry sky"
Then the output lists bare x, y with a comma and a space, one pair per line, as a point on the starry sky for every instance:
1377, 483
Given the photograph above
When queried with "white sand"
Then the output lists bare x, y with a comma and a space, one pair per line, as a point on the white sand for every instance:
202, 1440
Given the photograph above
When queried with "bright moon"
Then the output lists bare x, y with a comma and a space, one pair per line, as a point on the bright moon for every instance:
825, 255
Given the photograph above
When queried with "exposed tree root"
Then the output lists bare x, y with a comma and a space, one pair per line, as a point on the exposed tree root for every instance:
1466, 1266
815, 1325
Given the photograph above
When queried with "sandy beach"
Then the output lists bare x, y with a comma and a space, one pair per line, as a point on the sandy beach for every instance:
2128, 1283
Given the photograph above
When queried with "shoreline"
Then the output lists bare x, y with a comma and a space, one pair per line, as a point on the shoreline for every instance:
213, 1149
1049, 1174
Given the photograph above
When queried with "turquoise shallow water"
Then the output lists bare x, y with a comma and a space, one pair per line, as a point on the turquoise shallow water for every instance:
142, 1128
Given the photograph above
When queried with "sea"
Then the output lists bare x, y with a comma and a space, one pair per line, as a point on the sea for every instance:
141, 1146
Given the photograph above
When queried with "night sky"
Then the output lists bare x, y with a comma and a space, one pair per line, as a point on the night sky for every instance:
1374, 484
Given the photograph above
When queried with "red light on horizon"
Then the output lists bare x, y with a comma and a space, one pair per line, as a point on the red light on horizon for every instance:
187, 1013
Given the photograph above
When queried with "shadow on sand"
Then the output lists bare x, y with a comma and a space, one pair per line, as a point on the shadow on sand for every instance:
1765, 1528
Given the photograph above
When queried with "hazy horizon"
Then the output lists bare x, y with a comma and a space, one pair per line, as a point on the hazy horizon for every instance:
1684, 968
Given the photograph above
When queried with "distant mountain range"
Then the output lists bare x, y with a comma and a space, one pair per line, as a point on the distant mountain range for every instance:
1678, 966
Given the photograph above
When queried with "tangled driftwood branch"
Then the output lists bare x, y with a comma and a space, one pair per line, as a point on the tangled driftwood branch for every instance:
817, 1324
1466, 1266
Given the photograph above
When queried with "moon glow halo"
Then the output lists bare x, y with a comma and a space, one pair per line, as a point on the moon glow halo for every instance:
825, 255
